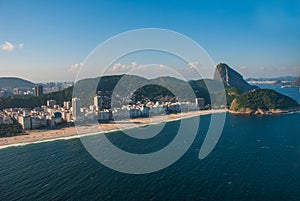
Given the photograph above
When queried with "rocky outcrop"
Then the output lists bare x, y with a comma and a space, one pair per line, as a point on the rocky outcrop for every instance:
231, 78
263, 112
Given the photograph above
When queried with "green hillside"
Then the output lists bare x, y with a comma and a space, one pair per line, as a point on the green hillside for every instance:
31, 101
86, 89
265, 99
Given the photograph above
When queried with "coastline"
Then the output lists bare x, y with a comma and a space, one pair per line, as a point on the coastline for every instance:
248, 111
40, 136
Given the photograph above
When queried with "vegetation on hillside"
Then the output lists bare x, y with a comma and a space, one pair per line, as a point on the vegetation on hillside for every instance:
232, 93
153, 89
126, 84
265, 99
10, 130
31, 101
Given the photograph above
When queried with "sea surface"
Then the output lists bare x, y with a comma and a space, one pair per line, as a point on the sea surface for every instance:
292, 92
256, 158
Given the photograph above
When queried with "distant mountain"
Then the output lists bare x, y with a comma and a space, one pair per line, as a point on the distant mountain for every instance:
14, 82
296, 82
231, 78
282, 78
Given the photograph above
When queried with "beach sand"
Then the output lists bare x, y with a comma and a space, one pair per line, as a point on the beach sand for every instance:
36, 136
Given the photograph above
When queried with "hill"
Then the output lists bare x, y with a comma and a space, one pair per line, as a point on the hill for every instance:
14, 82
147, 89
231, 78
31, 101
140, 88
262, 101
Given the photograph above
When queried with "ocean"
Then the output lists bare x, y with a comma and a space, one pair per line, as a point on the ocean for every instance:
256, 158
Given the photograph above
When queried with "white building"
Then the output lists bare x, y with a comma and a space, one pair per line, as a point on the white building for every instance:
25, 121
76, 108
98, 100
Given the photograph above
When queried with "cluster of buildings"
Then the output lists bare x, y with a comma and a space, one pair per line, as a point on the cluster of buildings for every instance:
37, 90
46, 116
56, 86
4, 92
51, 115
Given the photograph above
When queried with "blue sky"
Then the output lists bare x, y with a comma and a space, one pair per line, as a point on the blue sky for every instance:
44, 40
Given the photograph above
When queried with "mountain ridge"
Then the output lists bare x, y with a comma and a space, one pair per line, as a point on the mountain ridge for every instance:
224, 78
15, 82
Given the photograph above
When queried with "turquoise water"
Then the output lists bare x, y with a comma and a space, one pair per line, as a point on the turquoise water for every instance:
257, 158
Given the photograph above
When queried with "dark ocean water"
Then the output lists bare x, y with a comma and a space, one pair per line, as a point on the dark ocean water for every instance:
256, 158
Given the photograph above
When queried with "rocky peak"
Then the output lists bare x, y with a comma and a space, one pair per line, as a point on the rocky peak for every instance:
231, 78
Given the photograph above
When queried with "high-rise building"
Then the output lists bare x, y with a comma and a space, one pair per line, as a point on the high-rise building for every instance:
38, 90
200, 102
25, 121
98, 100
76, 108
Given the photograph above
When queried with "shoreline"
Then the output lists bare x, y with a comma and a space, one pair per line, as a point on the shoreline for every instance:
248, 111
40, 136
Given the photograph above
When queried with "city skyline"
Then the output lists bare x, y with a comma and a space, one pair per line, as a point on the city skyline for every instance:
48, 41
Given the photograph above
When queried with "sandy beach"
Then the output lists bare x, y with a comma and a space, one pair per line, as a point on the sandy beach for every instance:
37, 136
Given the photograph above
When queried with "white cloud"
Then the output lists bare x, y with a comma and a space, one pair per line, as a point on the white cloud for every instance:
7, 46
75, 67
123, 68
193, 64
134, 64
116, 67
243, 67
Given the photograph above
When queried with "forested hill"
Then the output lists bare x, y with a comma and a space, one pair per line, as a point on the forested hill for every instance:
85, 89
264, 99
31, 101
237, 91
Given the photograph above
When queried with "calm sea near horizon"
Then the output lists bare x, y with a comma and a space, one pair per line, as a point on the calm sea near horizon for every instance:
256, 158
